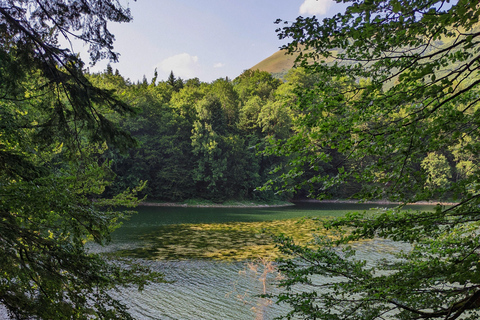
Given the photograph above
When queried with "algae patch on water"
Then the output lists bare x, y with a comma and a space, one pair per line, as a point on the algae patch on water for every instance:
222, 241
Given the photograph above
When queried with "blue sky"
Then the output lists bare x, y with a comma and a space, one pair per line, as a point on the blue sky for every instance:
207, 39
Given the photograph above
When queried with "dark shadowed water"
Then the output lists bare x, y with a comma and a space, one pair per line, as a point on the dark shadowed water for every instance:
148, 219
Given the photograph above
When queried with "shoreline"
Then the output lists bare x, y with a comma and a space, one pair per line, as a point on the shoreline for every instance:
292, 203
378, 202
184, 205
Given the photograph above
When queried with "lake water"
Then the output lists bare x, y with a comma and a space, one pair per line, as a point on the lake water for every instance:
207, 289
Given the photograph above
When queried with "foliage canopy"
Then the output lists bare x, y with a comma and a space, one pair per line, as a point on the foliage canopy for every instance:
54, 128
399, 100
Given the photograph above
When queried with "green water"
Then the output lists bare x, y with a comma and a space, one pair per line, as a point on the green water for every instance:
156, 216
209, 289
152, 219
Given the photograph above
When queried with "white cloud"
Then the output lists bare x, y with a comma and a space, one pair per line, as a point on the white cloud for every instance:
183, 65
219, 65
312, 7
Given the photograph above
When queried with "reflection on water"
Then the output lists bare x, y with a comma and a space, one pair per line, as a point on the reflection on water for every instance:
218, 290
149, 217
201, 290
221, 241
208, 289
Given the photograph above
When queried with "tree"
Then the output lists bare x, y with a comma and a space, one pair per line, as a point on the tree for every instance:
411, 69
208, 145
255, 83
224, 90
437, 169
54, 128
175, 83
109, 70
163, 154
171, 79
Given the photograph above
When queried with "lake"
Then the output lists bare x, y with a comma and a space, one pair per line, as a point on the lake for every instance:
205, 288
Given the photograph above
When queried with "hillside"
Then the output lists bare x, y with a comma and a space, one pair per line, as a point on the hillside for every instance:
277, 64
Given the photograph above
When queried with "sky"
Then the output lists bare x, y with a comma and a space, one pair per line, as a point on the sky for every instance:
207, 39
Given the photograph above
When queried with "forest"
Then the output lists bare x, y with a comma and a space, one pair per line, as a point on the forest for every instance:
215, 141
394, 116
198, 140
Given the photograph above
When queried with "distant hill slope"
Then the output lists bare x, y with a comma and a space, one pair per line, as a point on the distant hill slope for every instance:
277, 64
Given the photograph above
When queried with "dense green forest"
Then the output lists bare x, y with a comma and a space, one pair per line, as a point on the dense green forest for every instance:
203, 140
217, 141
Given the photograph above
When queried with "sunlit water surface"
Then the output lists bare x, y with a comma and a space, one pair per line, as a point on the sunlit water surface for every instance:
206, 289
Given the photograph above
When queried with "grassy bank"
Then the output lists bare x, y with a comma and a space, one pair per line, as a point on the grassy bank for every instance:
227, 204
